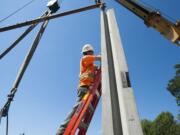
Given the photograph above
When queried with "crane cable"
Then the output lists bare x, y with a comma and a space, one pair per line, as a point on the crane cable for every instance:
16, 11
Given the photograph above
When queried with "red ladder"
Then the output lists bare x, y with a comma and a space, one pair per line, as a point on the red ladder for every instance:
81, 119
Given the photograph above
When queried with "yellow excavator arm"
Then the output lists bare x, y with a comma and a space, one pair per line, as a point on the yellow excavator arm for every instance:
154, 19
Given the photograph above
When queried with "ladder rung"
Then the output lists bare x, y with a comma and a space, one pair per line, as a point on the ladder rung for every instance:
97, 94
91, 108
83, 125
81, 119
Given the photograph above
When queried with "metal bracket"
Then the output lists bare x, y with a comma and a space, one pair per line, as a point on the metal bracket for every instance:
125, 79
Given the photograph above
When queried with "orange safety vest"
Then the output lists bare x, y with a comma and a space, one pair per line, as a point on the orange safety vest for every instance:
87, 70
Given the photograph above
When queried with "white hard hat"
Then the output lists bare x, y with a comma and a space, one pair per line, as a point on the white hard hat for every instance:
87, 47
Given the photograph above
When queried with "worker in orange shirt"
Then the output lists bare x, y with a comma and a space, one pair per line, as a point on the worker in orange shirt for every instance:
86, 78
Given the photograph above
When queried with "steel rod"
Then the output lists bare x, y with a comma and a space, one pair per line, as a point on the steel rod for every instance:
29, 55
5, 109
17, 41
49, 17
21, 37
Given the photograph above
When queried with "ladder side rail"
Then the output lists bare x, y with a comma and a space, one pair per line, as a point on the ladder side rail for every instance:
92, 92
75, 117
90, 114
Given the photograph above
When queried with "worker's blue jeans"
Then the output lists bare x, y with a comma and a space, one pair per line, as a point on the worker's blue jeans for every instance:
81, 92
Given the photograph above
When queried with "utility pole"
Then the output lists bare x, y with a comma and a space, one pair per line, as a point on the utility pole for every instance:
119, 113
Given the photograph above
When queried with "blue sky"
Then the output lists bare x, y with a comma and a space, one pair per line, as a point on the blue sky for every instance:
48, 89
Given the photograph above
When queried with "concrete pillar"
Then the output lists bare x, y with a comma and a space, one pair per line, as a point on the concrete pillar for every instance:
111, 120
106, 99
117, 94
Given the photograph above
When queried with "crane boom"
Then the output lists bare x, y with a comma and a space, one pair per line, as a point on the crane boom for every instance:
154, 19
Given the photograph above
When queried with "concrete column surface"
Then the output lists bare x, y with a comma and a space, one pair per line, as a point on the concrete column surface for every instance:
107, 123
129, 115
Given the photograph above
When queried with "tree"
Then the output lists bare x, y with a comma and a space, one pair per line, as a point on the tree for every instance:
164, 124
174, 85
147, 127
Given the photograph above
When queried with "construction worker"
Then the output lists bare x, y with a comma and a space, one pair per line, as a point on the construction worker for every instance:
86, 77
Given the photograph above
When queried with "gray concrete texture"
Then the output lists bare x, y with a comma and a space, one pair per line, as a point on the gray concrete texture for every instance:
119, 111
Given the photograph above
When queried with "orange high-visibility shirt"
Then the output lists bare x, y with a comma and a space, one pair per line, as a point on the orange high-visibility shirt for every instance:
87, 70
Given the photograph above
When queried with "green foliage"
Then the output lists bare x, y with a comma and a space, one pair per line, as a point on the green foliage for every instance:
179, 118
174, 85
147, 127
164, 124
